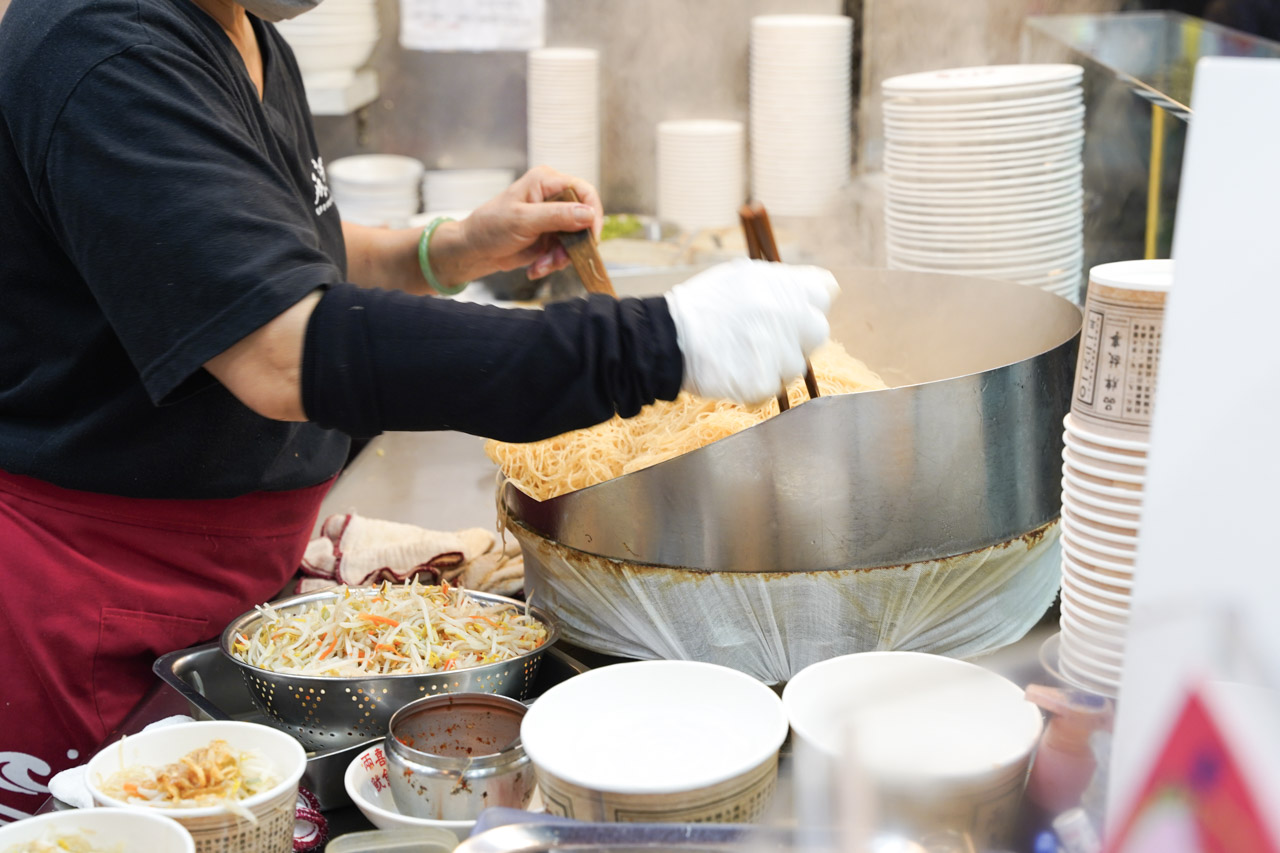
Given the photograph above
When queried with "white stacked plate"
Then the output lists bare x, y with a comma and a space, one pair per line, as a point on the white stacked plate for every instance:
801, 144
983, 173
334, 39
1104, 467
463, 189
564, 110
376, 189
700, 173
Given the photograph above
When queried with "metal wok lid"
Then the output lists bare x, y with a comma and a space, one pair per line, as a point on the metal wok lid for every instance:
963, 453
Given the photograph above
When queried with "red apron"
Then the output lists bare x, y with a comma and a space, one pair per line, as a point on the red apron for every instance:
93, 588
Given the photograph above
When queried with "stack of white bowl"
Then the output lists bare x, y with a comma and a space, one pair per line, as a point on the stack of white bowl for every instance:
801, 143
334, 39
463, 189
983, 173
1105, 464
564, 110
376, 189
700, 173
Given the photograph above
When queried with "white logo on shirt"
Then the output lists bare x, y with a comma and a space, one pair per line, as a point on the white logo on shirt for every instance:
321, 181
17, 770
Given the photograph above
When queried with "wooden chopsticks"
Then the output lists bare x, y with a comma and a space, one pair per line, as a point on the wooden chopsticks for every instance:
583, 253
761, 245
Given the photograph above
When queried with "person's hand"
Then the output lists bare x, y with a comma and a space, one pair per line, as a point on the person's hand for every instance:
517, 227
746, 327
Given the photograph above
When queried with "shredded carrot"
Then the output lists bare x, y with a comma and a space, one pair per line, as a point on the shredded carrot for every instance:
381, 620
329, 650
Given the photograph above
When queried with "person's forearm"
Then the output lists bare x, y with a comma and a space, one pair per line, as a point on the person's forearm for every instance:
388, 258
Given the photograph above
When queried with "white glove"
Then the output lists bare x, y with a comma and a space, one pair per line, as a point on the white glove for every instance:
746, 327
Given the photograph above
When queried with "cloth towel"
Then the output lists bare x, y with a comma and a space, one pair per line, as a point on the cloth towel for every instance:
356, 551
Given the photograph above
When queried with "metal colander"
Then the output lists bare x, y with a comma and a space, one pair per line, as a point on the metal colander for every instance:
327, 712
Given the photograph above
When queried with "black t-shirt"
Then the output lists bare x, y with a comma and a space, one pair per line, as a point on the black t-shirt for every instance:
153, 211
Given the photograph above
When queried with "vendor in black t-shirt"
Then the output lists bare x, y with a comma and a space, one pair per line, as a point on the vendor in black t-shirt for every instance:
190, 335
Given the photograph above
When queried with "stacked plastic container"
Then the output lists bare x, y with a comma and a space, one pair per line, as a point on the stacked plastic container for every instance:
801, 140
564, 110
701, 183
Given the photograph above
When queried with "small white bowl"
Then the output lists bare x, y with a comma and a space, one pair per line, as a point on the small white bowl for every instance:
367, 785
105, 828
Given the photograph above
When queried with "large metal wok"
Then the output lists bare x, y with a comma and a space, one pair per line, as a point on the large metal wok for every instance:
961, 453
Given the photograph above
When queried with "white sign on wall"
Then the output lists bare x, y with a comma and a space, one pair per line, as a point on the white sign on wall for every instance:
473, 25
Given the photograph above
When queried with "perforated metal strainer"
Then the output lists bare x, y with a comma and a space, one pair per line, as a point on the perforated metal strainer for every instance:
326, 712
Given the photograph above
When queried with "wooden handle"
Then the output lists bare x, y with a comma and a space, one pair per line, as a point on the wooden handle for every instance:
583, 252
761, 245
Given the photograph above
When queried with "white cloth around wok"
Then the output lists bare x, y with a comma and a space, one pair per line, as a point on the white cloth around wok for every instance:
356, 551
772, 627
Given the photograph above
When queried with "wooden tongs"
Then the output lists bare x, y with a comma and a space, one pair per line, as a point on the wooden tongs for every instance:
584, 253
762, 246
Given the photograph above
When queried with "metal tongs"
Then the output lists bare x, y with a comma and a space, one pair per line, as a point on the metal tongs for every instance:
762, 246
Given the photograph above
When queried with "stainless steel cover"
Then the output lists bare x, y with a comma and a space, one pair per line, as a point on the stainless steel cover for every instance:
961, 454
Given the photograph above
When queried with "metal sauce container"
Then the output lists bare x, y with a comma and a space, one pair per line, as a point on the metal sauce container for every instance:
452, 755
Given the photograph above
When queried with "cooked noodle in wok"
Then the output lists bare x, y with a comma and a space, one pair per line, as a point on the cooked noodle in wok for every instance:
666, 429
389, 630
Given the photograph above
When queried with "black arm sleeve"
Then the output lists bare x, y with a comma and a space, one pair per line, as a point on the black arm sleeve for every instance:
378, 360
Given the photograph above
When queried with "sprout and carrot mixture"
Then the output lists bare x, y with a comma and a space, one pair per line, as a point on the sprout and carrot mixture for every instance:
391, 629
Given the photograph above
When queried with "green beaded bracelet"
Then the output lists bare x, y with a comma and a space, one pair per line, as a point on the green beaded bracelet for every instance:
424, 261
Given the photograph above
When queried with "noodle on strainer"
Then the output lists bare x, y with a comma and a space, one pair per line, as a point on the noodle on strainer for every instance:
666, 429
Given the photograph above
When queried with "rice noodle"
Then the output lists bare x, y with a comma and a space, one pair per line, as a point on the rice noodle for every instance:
389, 630
666, 429
213, 775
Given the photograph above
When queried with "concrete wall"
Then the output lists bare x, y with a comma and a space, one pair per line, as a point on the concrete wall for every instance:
660, 59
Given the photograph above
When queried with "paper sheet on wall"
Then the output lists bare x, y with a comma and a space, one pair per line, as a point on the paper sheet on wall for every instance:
474, 25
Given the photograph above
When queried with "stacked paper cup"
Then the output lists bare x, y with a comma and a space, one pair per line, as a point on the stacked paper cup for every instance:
700, 173
1104, 465
983, 173
564, 110
801, 144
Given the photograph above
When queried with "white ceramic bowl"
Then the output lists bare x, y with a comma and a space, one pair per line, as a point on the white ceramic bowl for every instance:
367, 785
657, 741
105, 828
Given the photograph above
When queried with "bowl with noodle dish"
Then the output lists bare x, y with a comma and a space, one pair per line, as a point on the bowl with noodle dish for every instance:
331, 667
233, 785
95, 831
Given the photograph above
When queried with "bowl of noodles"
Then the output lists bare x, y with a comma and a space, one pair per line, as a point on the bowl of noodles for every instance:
331, 667
233, 785
95, 831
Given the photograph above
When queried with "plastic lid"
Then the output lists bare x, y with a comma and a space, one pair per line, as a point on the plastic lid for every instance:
1154, 275
422, 839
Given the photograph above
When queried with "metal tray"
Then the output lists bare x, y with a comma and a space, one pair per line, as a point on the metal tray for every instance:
215, 690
